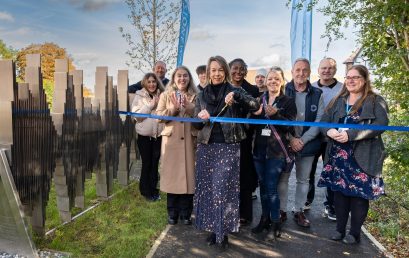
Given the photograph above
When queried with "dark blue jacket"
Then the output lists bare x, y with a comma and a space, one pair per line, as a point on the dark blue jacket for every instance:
311, 107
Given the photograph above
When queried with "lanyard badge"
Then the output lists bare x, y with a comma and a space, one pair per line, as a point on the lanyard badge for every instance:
347, 110
266, 131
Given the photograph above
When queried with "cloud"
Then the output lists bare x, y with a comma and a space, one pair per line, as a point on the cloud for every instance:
270, 60
5, 16
84, 59
201, 35
92, 5
22, 31
276, 45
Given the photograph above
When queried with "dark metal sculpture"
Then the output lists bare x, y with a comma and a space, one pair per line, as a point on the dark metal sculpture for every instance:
33, 148
78, 137
15, 235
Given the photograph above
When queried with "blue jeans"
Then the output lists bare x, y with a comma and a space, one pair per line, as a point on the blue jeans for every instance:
268, 171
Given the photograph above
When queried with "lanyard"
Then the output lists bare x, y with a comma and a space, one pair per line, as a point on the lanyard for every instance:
287, 157
347, 110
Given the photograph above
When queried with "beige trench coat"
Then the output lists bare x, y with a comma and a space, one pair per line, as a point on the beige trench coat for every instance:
178, 152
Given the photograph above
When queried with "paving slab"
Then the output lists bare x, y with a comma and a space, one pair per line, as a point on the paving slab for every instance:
186, 241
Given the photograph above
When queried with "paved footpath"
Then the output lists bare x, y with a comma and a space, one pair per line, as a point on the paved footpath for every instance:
186, 241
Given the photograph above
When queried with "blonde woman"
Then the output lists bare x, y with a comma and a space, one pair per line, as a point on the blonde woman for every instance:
178, 146
271, 149
148, 130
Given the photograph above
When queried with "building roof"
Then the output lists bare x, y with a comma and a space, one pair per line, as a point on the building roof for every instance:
354, 55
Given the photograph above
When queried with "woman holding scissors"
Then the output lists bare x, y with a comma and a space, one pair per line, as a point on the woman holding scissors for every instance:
216, 201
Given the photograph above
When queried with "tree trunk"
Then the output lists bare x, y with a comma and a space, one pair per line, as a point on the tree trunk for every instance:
154, 33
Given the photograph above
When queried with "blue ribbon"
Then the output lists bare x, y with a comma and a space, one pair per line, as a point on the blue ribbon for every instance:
269, 122
183, 31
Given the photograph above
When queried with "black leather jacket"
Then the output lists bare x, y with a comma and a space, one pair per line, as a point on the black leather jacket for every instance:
232, 132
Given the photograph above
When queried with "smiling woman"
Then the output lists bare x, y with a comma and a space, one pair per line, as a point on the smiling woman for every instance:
149, 138
216, 201
271, 150
178, 146
354, 158
248, 174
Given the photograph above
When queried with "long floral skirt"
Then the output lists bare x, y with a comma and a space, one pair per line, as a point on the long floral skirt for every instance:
216, 200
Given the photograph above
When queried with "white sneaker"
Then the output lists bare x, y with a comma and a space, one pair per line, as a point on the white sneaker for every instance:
307, 206
331, 215
326, 211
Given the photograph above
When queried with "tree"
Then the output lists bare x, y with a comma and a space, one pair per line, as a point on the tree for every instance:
6, 52
156, 33
49, 52
383, 33
87, 93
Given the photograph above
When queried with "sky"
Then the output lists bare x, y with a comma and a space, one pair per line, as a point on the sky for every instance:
257, 31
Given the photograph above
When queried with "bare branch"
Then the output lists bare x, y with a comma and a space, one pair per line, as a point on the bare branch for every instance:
155, 23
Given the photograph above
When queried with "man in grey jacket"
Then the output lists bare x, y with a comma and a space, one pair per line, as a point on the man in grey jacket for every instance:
305, 142
330, 88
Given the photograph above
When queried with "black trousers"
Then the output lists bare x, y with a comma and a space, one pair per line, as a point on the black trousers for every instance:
311, 191
149, 149
359, 210
248, 177
180, 205
246, 204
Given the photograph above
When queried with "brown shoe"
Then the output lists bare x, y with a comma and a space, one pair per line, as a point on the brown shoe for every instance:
283, 216
301, 220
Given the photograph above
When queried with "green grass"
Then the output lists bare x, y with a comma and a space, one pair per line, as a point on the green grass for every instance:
52, 215
125, 226
388, 222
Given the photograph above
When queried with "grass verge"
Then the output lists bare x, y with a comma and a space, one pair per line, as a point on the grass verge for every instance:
125, 226
388, 223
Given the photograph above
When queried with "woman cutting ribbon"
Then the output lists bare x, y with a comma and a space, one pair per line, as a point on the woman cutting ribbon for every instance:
216, 200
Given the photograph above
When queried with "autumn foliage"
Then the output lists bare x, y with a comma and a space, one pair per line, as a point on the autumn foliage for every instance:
49, 52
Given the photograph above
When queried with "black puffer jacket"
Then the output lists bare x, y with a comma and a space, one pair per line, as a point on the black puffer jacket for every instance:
232, 132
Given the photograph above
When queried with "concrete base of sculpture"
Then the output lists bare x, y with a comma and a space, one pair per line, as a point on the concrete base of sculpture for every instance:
123, 168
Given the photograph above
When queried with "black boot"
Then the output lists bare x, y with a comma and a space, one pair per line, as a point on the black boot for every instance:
211, 239
275, 231
263, 224
225, 243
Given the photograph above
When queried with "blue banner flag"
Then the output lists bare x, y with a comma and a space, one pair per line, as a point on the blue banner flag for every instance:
301, 28
183, 31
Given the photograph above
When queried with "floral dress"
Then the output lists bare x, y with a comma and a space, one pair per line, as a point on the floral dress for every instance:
342, 173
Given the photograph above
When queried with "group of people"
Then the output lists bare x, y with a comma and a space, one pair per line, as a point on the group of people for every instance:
211, 169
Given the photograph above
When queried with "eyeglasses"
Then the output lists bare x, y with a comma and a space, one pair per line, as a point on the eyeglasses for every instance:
354, 78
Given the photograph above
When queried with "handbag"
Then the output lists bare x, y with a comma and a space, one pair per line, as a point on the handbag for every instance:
289, 158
